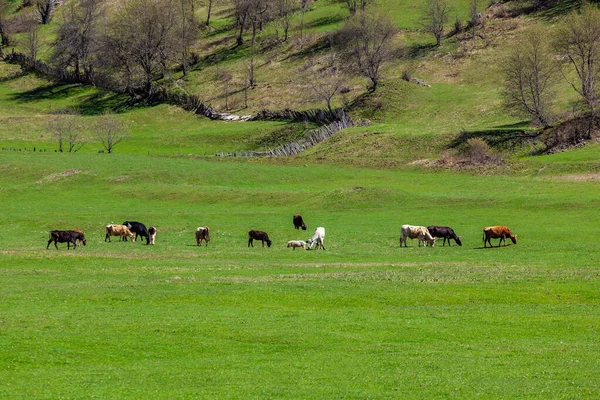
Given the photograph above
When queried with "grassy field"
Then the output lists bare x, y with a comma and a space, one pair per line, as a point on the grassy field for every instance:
363, 319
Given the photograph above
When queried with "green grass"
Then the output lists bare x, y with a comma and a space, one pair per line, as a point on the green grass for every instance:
364, 318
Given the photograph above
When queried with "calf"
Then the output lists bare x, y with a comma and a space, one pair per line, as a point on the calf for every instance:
152, 232
444, 232
258, 235
495, 232
202, 233
118, 230
66, 236
416, 232
298, 222
138, 228
317, 238
297, 243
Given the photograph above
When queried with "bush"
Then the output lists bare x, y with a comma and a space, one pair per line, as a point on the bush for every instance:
477, 152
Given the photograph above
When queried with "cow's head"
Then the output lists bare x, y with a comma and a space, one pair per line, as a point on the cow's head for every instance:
457, 240
303, 226
431, 242
132, 237
269, 243
513, 238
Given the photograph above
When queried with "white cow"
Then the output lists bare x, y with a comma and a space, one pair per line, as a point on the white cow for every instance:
416, 232
317, 238
297, 243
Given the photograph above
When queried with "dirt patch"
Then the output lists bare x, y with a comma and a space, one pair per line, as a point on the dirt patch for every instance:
590, 177
58, 176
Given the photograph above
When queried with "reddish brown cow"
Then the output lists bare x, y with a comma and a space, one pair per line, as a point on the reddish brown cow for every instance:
495, 232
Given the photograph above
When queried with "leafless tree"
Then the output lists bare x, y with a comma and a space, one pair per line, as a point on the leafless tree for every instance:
241, 9
325, 81
529, 77
45, 9
4, 38
355, 5
474, 18
578, 40
284, 11
32, 38
78, 36
434, 16
110, 132
65, 130
139, 40
209, 5
368, 36
187, 27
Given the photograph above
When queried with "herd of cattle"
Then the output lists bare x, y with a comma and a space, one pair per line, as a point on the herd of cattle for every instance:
425, 235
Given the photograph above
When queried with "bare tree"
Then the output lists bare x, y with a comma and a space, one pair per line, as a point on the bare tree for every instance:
45, 9
355, 5
138, 40
474, 18
368, 36
187, 27
78, 36
529, 77
435, 15
210, 5
4, 38
241, 9
284, 11
578, 40
326, 82
110, 132
66, 131
32, 38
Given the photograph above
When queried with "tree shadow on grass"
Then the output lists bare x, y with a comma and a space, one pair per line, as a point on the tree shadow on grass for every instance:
85, 101
325, 21
507, 137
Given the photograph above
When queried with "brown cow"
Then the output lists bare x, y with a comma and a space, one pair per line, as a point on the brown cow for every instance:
298, 222
118, 230
494, 232
202, 233
66, 236
258, 235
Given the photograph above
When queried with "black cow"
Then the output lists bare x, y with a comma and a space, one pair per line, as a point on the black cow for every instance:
258, 235
138, 228
298, 222
66, 236
444, 232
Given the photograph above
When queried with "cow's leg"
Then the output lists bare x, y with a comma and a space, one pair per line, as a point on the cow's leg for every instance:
250, 242
55, 245
49, 241
74, 244
263, 243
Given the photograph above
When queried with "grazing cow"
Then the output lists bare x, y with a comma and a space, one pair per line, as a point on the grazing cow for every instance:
495, 232
317, 238
444, 232
118, 230
258, 235
78, 231
66, 236
298, 222
416, 232
202, 233
138, 228
152, 233
297, 243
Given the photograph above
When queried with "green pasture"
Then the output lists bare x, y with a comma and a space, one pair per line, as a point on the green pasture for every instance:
362, 319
